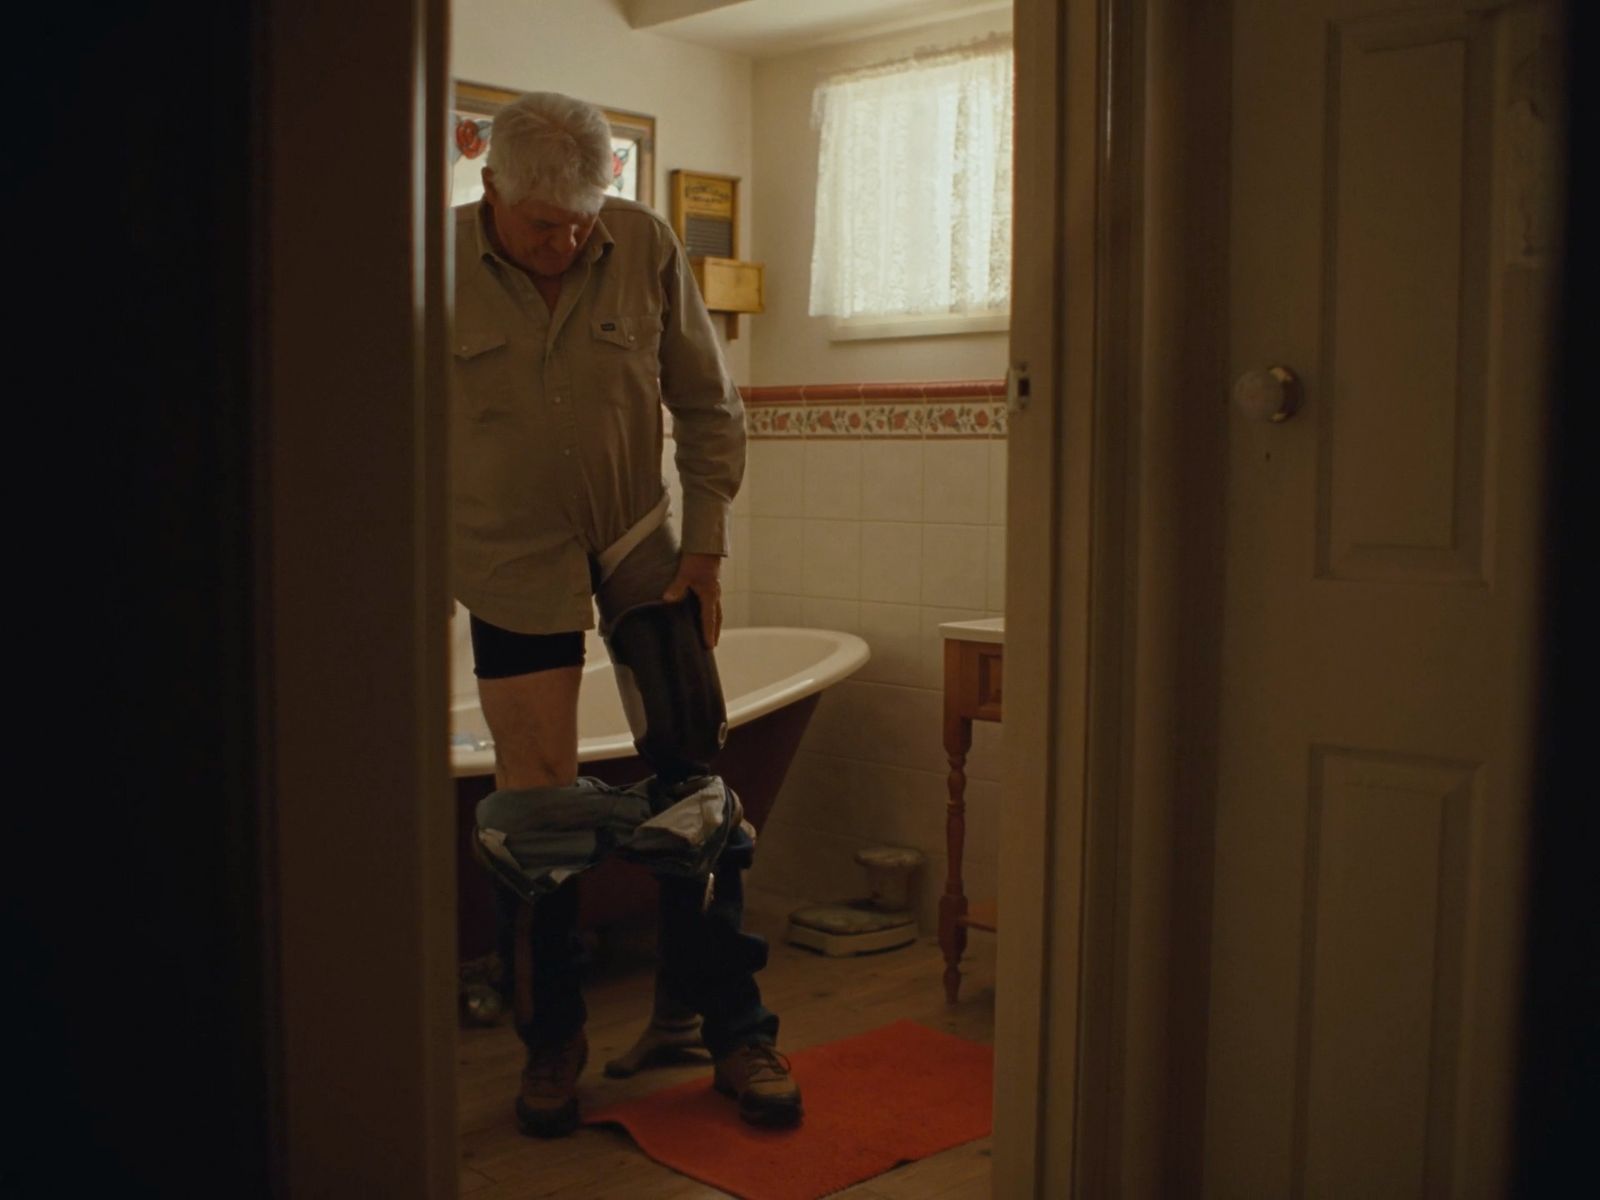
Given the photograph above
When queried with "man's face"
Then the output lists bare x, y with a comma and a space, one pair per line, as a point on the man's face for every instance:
536, 236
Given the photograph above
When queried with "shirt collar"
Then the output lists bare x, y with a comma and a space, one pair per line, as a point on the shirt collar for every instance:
600, 241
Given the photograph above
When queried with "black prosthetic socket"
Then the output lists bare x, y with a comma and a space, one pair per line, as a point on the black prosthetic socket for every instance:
670, 688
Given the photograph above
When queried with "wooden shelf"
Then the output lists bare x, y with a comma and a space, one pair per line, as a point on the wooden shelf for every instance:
984, 915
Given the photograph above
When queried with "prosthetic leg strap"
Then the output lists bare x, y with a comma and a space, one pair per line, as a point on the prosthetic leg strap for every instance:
611, 557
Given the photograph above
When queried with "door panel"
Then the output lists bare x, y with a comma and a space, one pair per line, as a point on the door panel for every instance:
1400, 477
1390, 243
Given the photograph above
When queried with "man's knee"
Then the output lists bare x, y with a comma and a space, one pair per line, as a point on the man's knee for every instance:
536, 770
534, 722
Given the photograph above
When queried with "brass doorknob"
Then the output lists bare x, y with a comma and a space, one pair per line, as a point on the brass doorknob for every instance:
1267, 394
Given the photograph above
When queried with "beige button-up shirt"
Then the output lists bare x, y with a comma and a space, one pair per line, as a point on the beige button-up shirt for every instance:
557, 423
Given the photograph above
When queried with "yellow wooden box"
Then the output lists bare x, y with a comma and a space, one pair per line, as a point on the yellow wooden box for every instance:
729, 284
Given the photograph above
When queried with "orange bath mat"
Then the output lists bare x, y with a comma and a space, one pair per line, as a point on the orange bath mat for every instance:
872, 1102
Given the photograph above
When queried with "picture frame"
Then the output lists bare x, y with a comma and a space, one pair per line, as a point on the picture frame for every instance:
473, 106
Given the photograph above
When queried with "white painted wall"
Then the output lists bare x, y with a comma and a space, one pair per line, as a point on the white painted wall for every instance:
699, 97
789, 346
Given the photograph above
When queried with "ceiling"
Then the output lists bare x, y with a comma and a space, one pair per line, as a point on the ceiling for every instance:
764, 28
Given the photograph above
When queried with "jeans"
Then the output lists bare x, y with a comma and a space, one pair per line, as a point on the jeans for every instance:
707, 964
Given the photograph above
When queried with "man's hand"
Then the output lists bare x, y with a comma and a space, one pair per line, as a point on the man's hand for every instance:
699, 573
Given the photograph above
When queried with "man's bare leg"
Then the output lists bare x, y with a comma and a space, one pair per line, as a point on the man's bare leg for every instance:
534, 722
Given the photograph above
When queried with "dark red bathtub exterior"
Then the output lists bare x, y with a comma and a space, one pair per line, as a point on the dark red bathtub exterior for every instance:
754, 762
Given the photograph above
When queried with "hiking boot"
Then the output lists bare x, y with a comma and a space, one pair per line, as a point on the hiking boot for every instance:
547, 1105
759, 1077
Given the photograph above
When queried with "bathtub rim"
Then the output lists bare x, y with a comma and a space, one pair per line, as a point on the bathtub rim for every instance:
848, 655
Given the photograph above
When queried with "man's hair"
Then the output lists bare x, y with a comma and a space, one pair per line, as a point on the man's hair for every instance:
553, 148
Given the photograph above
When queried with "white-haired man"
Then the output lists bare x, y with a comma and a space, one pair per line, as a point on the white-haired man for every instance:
577, 317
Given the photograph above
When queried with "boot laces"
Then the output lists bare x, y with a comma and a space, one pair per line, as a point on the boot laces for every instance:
764, 1064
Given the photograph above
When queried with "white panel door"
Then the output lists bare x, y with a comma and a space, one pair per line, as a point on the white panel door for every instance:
1392, 204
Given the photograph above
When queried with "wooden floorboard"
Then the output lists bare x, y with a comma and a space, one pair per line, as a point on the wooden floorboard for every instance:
818, 999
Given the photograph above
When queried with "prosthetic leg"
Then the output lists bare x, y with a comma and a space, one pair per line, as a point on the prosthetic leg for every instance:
670, 689
673, 700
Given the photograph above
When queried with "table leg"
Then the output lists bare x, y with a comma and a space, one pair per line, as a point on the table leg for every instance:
953, 904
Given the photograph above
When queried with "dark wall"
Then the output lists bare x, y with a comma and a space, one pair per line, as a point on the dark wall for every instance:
134, 902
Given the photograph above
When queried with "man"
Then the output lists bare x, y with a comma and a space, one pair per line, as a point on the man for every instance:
576, 318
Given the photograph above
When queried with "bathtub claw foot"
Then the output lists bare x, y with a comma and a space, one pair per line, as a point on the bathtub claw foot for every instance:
665, 1040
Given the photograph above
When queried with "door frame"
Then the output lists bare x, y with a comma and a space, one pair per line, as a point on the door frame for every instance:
352, 353
1113, 594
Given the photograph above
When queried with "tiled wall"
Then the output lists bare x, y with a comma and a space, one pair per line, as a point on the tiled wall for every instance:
878, 509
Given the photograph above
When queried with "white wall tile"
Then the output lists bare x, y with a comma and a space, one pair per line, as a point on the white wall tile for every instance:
774, 475
777, 860
767, 608
891, 480
911, 806
983, 825
891, 562
997, 568
832, 559
983, 760
899, 726
832, 484
955, 566
836, 727
820, 613
932, 641
675, 507
736, 610
827, 870
955, 483
893, 633
981, 883
736, 571
669, 467
804, 794
997, 481
775, 554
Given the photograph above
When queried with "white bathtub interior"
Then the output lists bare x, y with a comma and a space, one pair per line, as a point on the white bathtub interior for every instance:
762, 669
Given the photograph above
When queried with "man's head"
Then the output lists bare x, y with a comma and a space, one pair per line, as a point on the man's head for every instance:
549, 169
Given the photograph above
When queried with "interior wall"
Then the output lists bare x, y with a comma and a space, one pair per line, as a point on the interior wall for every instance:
789, 345
884, 535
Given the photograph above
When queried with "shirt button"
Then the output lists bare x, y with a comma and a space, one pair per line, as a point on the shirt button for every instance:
630, 339
558, 399
568, 452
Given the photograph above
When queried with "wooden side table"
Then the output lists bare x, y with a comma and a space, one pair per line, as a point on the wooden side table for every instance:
974, 654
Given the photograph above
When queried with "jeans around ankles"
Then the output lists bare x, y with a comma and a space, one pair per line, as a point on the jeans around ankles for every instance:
707, 963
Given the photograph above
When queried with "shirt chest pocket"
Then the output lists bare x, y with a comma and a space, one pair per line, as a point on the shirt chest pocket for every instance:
626, 353
484, 376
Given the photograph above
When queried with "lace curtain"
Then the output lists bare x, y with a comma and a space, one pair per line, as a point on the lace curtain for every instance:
914, 187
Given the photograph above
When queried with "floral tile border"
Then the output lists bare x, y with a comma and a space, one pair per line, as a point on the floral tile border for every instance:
943, 409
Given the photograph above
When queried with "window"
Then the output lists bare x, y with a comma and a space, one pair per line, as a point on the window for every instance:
913, 219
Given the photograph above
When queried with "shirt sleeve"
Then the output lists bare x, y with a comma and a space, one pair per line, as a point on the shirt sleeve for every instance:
707, 413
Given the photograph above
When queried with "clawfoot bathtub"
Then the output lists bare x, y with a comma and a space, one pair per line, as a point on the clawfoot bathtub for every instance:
771, 680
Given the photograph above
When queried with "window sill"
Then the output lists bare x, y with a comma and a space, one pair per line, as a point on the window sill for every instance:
860, 329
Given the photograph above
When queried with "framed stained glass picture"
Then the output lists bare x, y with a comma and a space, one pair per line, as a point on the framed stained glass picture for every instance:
633, 144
